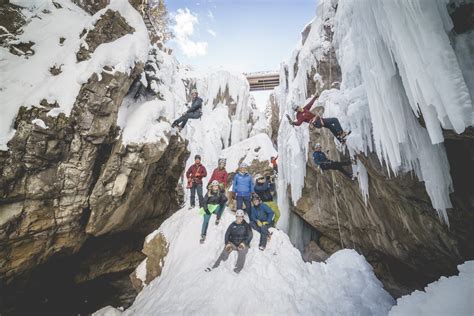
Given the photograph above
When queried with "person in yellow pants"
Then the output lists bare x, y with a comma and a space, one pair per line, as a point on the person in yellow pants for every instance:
264, 188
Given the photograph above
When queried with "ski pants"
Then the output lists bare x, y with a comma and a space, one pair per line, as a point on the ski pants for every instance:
263, 230
242, 254
207, 217
331, 123
197, 187
184, 119
337, 165
241, 200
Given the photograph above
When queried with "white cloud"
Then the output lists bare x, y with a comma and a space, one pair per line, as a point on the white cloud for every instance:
212, 32
185, 21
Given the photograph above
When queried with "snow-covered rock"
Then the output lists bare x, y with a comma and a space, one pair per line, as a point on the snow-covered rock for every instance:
274, 281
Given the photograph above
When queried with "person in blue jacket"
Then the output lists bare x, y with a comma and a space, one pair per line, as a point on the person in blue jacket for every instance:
324, 163
261, 219
242, 188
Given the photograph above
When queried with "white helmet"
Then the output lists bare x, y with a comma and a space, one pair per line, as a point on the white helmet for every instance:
244, 165
239, 213
194, 91
215, 182
258, 176
318, 145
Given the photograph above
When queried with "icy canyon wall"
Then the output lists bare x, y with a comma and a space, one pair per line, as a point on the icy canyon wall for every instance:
399, 77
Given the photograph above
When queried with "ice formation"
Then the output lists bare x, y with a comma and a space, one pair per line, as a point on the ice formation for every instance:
398, 67
274, 281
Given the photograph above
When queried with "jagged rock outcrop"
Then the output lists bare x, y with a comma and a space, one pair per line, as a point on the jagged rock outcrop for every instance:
155, 248
273, 112
72, 194
110, 26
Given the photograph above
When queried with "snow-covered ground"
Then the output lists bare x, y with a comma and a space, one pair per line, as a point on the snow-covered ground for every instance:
447, 296
275, 281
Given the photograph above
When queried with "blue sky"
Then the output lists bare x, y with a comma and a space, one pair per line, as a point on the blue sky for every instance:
238, 35
250, 35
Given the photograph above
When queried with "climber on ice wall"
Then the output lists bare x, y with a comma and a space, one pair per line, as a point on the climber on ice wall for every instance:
315, 120
237, 237
324, 163
194, 112
194, 175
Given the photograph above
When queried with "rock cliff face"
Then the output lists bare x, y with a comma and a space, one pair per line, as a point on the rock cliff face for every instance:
72, 194
396, 227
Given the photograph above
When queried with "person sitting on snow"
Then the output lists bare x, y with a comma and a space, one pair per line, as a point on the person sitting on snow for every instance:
194, 112
194, 175
214, 202
304, 115
264, 188
237, 237
324, 163
261, 219
242, 188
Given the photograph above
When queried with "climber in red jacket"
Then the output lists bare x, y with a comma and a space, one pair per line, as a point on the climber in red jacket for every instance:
304, 115
194, 175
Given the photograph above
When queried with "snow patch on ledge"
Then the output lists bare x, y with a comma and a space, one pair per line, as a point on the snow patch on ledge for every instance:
26, 80
447, 296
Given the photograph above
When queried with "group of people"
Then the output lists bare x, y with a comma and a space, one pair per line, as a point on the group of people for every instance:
254, 198
304, 114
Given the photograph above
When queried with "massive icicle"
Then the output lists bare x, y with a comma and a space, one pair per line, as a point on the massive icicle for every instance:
397, 65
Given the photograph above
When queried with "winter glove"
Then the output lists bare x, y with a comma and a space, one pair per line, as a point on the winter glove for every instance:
241, 246
259, 223
228, 247
264, 223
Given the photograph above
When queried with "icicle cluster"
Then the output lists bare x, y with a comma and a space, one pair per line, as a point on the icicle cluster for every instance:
398, 69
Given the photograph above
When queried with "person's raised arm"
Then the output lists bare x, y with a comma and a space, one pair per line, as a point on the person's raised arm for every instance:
310, 103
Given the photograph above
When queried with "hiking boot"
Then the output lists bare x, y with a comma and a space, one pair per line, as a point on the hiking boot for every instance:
203, 238
261, 248
236, 270
191, 207
218, 219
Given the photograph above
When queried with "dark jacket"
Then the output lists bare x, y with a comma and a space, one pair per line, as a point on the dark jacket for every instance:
264, 191
196, 172
305, 115
238, 233
262, 213
196, 106
319, 158
243, 184
214, 198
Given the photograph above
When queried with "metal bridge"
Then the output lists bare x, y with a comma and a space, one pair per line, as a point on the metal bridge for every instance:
265, 80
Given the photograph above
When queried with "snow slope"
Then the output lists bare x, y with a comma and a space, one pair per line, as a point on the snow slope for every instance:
274, 281
27, 80
447, 296
397, 65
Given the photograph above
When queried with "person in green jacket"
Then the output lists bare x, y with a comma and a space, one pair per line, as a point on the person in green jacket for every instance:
213, 202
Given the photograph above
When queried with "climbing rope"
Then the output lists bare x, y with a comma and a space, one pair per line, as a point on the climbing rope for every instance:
335, 206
